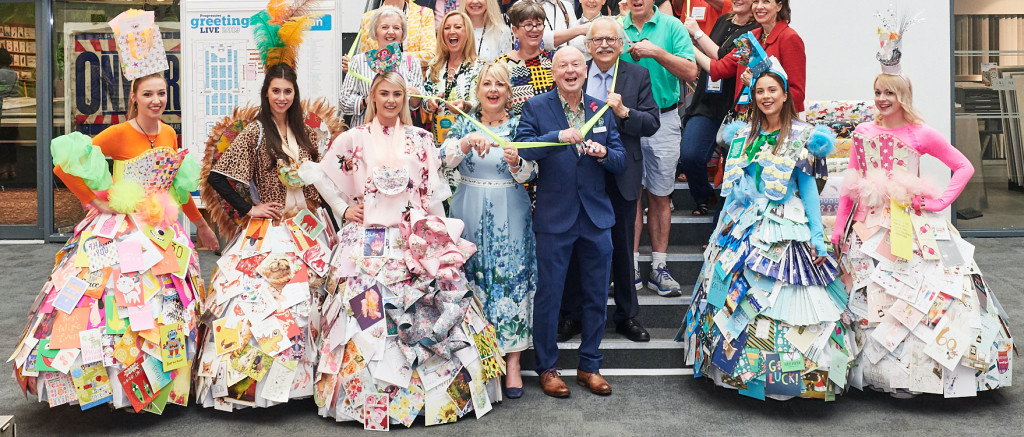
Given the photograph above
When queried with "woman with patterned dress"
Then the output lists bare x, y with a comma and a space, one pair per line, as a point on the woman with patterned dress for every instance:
496, 210
389, 29
924, 317
121, 301
261, 296
765, 315
399, 317
452, 77
529, 63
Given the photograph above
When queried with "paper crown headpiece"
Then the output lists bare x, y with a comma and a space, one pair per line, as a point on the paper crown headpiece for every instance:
279, 30
385, 59
140, 47
890, 39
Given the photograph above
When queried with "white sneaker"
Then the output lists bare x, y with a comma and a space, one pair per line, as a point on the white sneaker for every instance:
662, 282
638, 282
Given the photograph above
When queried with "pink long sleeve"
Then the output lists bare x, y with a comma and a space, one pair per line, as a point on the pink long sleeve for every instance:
931, 142
845, 204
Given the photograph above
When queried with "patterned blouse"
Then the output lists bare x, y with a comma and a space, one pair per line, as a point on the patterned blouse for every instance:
463, 87
354, 90
530, 77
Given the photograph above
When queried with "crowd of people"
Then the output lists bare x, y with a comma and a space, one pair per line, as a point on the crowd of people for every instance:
489, 190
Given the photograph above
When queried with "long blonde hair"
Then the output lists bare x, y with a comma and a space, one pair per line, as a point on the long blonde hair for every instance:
468, 49
493, 23
904, 94
395, 79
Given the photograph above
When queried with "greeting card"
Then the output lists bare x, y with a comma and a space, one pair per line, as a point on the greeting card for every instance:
278, 382
375, 412
408, 402
66, 327
137, 386
172, 346
227, 336
59, 388
252, 362
92, 386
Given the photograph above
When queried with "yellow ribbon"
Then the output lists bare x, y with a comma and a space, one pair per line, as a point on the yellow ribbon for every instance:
148, 36
352, 49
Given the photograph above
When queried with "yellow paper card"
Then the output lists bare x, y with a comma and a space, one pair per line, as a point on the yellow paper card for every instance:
901, 231
172, 346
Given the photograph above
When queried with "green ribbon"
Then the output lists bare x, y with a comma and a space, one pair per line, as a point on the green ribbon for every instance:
352, 49
771, 139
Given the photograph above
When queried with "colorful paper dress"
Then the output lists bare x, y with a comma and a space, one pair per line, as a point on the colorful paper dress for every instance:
259, 346
764, 319
925, 319
399, 317
496, 210
116, 321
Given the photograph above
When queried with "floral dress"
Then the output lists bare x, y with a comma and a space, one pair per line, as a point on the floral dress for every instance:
496, 210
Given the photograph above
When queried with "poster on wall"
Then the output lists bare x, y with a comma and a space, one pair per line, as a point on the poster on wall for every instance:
96, 93
223, 69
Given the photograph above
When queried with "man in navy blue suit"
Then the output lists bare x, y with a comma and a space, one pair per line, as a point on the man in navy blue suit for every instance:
636, 116
573, 212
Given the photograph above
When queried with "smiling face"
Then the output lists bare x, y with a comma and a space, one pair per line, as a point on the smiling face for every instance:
766, 11
389, 30
604, 53
454, 32
280, 94
741, 7
493, 93
529, 33
770, 95
887, 103
569, 69
641, 8
591, 5
151, 97
388, 98
476, 8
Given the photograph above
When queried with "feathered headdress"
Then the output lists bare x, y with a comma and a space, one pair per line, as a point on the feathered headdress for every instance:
279, 30
890, 38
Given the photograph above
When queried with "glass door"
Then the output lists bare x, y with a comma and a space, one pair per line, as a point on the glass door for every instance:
23, 191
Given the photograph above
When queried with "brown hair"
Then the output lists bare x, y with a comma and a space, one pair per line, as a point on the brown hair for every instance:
293, 117
904, 94
468, 49
758, 118
524, 10
785, 14
133, 104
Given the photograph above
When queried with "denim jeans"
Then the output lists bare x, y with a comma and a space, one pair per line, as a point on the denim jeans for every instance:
695, 149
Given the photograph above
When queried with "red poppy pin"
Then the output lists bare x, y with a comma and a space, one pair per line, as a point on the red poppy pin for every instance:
593, 106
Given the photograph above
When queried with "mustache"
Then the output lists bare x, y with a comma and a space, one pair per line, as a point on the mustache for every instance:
604, 50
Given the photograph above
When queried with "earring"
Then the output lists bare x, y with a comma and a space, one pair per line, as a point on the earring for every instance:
515, 43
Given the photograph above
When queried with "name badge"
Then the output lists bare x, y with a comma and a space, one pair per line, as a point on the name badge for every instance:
714, 87
600, 129
698, 13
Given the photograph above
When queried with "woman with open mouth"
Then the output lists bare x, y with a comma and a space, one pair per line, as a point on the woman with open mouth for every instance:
496, 209
530, 65
765, 316
493, 37
389, 29
420, 30
452, 77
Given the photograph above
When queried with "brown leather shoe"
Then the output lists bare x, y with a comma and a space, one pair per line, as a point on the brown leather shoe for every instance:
553, 385
594, 381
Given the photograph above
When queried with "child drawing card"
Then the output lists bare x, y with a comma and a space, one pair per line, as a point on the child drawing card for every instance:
172, 346
375, 412
367, 307
92, 385
252, 362
460, 392
137, 386
59, 388
227, 335
374, 242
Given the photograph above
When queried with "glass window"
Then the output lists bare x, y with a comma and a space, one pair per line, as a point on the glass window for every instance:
18, 203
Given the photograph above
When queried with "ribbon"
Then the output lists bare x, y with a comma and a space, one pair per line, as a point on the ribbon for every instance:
355, 43
147, 37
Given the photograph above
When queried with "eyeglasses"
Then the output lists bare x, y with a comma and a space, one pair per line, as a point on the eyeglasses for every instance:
604, 40
530, 27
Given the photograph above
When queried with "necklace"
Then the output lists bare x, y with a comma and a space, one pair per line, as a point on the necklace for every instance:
152, 140
496, 122
480, 42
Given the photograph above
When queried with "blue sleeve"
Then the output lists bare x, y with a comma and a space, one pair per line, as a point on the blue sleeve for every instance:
812, 207
615, 161
529, 131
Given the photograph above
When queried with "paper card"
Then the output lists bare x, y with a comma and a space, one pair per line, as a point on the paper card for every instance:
367, 307
180, 387
761, 333
317, 258
129, 254
755, 389
801, 337
925, 236
878, 303
248, 265
778, 382
59, 388
936, 313
959, 382
260, 307
27, 348
890, 334
96, 280
905, 314
255, 231
408, 402
208, 361
323, 389
309, 224
838, 366
459, 390
64, 359
270, 336
952, 338
107, 225
793, 362
128, 290
66, 328
439, 408
158, 235
243, 392
925, 373
374, 243
478, 388
278, 382
140, 318
70, 294
137, 386
168, 262
299, 238
375, 412
127, 350
727, 354
252, 362
92, 385
219, 388
395, 368
172, 346
293, 294
227, 335
92, 346
183, 254
155, 373
901, 231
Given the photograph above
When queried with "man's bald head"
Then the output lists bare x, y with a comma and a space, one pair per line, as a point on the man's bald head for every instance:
568, 69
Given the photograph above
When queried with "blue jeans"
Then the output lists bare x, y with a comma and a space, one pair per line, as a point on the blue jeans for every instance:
695, 150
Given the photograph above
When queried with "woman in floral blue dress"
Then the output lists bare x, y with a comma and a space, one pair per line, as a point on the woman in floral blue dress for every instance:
492, 202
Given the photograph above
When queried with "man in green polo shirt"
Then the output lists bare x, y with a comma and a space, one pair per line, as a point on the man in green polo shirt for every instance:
662, 45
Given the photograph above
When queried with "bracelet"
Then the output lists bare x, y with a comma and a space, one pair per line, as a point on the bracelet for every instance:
515, 169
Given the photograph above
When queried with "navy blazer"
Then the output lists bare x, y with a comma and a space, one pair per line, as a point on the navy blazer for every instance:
567, 182
634, 85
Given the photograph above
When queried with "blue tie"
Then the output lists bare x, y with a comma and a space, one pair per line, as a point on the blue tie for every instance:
602, 88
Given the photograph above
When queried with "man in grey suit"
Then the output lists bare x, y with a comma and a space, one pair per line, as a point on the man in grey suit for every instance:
636, 115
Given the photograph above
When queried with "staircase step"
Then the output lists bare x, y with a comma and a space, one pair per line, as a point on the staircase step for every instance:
662, 352
675, 254
681, 217
650, 299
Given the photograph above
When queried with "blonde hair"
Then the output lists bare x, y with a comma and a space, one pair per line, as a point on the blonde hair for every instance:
500, 72
395, 79
493, 23
468, 49
133, 103
388, 11
904, 94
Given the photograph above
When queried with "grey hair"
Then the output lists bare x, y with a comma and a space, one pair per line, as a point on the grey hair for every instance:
388, 11
603, 18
